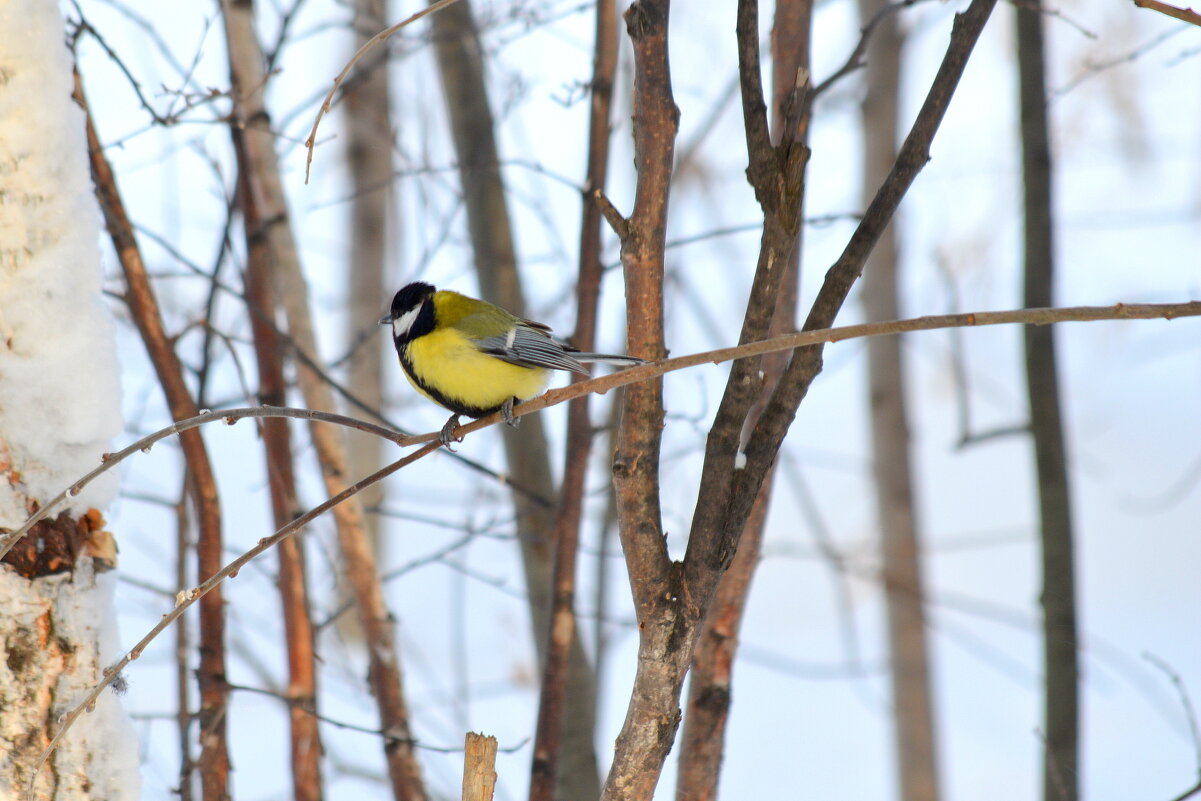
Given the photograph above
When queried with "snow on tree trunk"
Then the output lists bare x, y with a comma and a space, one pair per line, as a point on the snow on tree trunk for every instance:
59, 407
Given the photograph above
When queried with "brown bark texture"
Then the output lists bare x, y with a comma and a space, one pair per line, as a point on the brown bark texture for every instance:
479, 767
1061, 711
664, 648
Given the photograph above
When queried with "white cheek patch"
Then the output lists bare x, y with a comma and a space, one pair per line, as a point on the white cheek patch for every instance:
402, 324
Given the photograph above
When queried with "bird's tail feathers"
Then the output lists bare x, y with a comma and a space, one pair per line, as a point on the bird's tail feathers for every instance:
607, 358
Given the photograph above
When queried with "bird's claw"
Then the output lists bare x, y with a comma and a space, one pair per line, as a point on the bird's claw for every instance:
447, 435
507, 411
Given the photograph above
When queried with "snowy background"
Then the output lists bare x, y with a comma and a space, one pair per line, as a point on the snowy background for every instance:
810, 695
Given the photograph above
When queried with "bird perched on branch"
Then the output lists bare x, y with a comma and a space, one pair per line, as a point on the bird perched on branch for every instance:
475, 358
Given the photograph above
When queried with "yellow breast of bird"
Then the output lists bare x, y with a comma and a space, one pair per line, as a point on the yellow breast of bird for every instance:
446, 362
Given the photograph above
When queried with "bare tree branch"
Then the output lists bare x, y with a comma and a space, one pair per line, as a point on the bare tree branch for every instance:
381, 37
764, 442
605, 383
711, 684
653, 714
1185, 14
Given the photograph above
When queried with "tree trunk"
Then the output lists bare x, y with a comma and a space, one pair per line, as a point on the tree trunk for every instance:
472, 124
60, 409
913, 716
369, 126
1061, 706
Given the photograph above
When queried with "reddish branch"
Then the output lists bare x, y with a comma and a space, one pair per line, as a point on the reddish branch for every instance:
277, 447
636, 462
549, 732
1183, 14
202, 486
183, 652
653, 714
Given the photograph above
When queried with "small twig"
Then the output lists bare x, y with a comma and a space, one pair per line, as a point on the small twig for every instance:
82, 26
619, 224
967, 438
855, 61
1190, 714
380, 37
1185, 14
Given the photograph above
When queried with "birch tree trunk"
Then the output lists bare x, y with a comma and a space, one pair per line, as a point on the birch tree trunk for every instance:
369, 156
58, 410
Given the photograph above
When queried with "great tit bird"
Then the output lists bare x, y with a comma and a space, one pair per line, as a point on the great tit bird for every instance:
475, 358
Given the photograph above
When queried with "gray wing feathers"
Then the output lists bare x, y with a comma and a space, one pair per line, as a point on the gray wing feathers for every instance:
529, 347
533, 347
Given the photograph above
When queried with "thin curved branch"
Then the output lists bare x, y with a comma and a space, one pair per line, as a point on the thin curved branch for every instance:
599, 386
380, 37
800, 339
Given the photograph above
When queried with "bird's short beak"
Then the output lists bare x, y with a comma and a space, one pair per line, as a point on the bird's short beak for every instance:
385, 320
